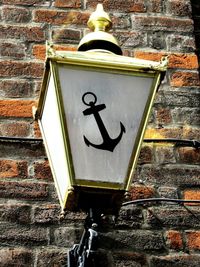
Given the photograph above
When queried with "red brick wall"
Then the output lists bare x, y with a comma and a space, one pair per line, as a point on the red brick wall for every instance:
31, 233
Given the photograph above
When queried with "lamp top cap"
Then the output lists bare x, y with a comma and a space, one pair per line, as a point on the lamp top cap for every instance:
100, 23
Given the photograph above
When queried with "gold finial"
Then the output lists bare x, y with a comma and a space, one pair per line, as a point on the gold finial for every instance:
100, 39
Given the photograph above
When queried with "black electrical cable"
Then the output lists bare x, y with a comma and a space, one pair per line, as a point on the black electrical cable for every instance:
178, 142
149, 200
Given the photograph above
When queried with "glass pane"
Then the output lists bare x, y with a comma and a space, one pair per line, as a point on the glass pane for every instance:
52, 132
103, 112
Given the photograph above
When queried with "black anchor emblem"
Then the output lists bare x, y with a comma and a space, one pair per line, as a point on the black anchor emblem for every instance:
108, 143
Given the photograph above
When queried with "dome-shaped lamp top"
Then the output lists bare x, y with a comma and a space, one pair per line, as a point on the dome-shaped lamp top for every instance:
100, 23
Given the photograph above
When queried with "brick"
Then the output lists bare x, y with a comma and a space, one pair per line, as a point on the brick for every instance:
23, 190
12, 234
22, 2
68, 4
179, 8
131, 39
185, 260
17, 15
47, 214
13, 169
37, 133
120, 5
178, 60
21, 69
171, 175
181, 98
174, 240
19, 149
42, 170
192, 194
157, 40
60, 17
120, 21
146, 155
17, 108
189, 116
66, 36
155, 6
165, 155
129, 217
162, 23
193, 240
67, 236
181, 43
141, 240
142, 191
24, 33
179, 79
52, 257
16, 88
39, 51
163, 116
126, 258
19, 129
173, 217
17, 213
189, 155
22, 257
12, 50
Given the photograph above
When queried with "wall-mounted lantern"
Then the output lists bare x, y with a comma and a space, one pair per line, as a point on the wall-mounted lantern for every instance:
92, 112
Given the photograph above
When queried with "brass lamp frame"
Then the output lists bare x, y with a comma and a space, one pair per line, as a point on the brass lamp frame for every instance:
80, 192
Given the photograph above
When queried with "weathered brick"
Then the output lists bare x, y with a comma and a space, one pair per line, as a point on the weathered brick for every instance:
66, 36
22, 2
124, 258
21, 150
192, 194
42, 170
189, 155
120, 5
12, 169
39, 51
162, 23
17, 15
141, 191
185, 260
146, 155
23, 235
52, 257
155, 6
61, 17
131, 39
16, 88
179, 79
179, 8
181, 43
67, 236
174, 239
17, 108
23, 190
21, 69
20, 129
22, 257
171, 175
165, 155
142, 240
47, 214
173, 217
178, 60
129, 217
120, 21
18, 213
68, 4
24, 33
193, 240
37, 133
163, 116
189, 116
12, 50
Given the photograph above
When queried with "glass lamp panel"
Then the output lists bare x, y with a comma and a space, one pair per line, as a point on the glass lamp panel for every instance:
54, 141
103, 111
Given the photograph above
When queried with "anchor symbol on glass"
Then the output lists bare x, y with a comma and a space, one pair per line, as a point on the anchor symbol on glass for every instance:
108, 143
